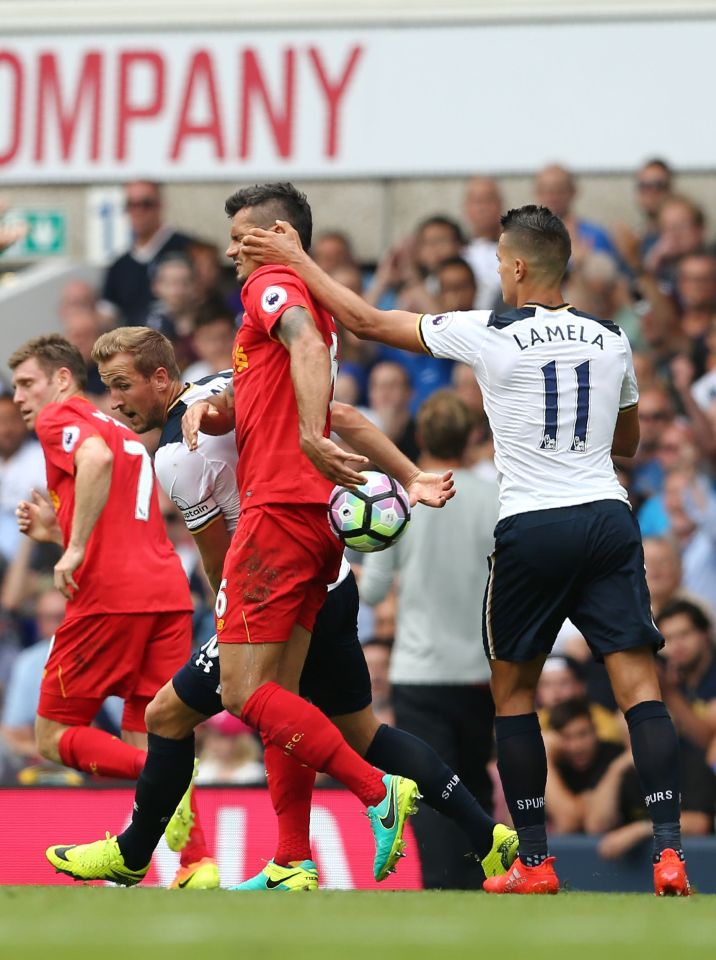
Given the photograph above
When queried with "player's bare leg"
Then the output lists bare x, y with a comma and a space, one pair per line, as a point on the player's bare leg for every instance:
654, 746
522, 763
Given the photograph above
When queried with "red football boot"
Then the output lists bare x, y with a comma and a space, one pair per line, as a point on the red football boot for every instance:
670, 878
522, 879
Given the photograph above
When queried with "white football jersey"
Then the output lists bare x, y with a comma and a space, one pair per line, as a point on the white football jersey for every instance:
202, 483
553, 382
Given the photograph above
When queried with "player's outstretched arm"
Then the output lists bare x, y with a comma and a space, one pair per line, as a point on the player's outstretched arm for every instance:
215, 417
93, 476
397, 328
311, 376
37, 519
431, 489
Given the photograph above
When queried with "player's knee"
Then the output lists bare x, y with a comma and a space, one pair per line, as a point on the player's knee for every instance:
167, 716
235, 695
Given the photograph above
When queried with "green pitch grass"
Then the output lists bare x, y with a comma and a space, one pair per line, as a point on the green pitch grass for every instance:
83, 923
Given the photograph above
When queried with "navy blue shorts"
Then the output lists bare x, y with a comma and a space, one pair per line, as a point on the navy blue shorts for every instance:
335, 676
585, 563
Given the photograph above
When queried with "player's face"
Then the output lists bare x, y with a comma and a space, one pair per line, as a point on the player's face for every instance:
34, 389
131, 394
240, 226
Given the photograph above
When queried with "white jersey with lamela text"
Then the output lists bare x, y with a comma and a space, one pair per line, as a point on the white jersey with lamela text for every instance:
202, 482
553, 382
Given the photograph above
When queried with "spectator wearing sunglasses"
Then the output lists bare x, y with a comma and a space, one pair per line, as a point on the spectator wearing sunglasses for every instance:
127, 284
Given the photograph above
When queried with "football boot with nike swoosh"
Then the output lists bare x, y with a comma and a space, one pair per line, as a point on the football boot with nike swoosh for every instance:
101, 860
274, 876
387, 821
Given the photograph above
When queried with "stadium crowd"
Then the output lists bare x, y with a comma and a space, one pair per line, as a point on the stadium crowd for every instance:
420, 631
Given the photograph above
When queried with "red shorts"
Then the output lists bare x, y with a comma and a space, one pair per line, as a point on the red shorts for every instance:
129, 655
276, 573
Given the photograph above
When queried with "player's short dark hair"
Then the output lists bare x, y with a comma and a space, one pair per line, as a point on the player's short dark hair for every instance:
275, 201
563, 713
438, 220
542, 236
52, 352
444, 424
696, 614
148, 348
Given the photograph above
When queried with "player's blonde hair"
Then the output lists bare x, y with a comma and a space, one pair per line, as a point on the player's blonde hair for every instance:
148, 348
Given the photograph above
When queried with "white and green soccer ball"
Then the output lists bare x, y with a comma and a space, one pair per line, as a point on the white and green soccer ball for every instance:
370, 517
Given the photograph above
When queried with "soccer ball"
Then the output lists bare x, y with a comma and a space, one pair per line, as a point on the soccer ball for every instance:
370, 517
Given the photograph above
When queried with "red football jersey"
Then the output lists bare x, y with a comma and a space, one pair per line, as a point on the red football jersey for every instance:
130, 566
272, 467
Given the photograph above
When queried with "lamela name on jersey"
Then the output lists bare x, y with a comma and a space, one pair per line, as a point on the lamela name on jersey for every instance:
532, 337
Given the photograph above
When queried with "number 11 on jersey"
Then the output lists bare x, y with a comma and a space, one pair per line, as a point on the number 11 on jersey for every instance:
551, 407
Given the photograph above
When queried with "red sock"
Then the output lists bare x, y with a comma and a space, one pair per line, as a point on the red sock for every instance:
97, 752
290, 785
301, 730
196, 848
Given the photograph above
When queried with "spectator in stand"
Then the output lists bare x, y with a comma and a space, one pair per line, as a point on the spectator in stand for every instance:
457, 287
377, 656
556, 188
212, 342
597, 287
682, 231
696, 294
577, 760
81, 295
356, 356
82, 326
653, 185
332, 249
389, 396
22, 469
23, 691
656, 411
565, 678
662, 562
438, 668
408, 269
230, 752
483, 208
617, 809
176, 306
127, 285
215, 286
691, 507
689, 680
676, 449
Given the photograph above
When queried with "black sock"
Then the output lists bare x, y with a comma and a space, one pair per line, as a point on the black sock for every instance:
396, 751
655, 748
522, 764
162, 783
